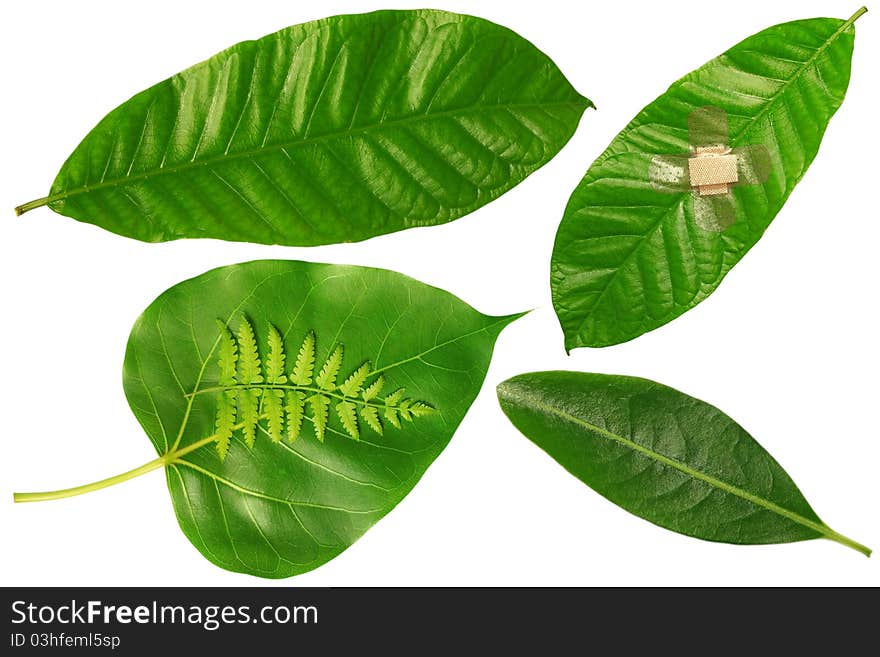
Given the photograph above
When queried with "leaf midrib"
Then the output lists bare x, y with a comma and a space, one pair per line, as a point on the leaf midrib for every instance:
820, 528
733, 142
265, 496
208, 162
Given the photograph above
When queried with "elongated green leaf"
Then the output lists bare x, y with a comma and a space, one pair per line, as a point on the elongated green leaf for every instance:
664, 456
278, 501
631, 255
330, 131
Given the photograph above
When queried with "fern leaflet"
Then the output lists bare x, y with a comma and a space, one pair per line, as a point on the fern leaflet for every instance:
248, 355
294, 408
225, 423
320, 411
395, 397
421, 409
346, 412
391, 416
353, 385
275, 357
274, 413
370, 415
249, 413
228, 356
372, 391
305, 362
326, 378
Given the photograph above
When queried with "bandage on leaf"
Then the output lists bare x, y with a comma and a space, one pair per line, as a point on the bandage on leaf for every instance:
638, 244
664, 456
330, 131
269, 472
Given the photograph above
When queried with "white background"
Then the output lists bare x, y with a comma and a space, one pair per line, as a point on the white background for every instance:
787, 345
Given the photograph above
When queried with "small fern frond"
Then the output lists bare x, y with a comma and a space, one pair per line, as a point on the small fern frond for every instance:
248, 414
305, 362
248, 355
227, 356
274, 414
294, 409
320, 406
258, 395
372, 391
352, 386
275, 358
394, 397
326, 378
225, 422
370, 415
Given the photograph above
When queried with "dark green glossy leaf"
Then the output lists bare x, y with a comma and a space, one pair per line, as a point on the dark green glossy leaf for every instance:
664, 456
330, 131
630, 257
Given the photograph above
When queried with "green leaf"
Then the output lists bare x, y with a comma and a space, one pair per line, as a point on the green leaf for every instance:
663, 456
331, 131
275, 509
631, 255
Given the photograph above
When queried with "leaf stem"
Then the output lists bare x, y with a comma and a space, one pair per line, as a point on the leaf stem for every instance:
848, 542
88, 488
155, 464
855, 17
30, 205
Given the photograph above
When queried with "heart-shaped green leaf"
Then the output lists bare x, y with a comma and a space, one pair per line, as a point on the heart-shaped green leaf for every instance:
635, 251
664, 456
294, 404
330, 131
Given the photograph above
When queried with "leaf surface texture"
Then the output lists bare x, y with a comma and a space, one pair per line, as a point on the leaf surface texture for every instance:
296, 470
664, 456
330, 131
629, 258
